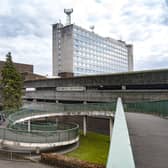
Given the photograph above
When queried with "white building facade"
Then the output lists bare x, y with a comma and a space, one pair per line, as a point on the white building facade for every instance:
81, 52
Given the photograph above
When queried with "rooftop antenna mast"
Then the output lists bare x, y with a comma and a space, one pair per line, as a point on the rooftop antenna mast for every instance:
68, 15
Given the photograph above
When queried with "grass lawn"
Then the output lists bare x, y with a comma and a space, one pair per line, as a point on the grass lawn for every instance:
93, 148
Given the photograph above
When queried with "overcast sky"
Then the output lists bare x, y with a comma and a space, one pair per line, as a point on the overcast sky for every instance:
25, 28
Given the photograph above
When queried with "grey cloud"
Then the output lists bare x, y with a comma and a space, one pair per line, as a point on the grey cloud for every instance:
26, 18
25, 29
94, 19
151, 64
98, 1
12, 27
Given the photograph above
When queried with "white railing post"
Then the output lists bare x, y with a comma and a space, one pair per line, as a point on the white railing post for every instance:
110, 127
29, 125
84, 125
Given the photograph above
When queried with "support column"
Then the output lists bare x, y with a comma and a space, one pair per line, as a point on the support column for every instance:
110, 126
29, 125
56, 121
84, 125
34, 100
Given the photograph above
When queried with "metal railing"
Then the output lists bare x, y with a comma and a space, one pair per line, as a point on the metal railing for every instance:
38, 127
71, 107
120, 152
39, 137
17, 132
152, 107
15, 155
43, 108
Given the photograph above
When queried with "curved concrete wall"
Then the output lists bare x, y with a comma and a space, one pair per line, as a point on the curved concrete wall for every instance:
35, 146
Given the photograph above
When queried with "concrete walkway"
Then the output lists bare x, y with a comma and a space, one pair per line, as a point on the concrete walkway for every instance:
149, 139
14, 164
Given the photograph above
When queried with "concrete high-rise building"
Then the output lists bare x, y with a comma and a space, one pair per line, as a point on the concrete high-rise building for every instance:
81, 52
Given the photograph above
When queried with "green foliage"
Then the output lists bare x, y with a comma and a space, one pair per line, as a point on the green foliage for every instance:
93, 147
11, 85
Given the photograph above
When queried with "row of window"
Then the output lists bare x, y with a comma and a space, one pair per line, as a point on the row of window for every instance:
102, 55
78, 37
101, 65
99, 58
100, 70
104, 68
121, 64
97, 44
94, 62
97, 50
83, 35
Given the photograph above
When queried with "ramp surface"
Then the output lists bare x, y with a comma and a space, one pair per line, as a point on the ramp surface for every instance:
149, 139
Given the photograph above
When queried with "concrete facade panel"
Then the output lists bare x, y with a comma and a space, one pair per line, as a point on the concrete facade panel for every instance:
131, 78
99, 95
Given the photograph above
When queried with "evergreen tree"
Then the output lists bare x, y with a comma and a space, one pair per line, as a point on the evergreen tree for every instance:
11, 85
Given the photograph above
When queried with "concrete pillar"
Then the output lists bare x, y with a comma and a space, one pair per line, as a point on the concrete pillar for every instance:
29, 125
34, 100
56, 121
110, 126
84, 125
37, 150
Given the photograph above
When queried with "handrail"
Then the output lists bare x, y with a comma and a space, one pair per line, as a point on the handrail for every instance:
34, 109
70, 107
151, 107
120, 152
39, 137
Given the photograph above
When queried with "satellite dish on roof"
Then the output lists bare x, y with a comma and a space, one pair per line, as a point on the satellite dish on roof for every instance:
92, 27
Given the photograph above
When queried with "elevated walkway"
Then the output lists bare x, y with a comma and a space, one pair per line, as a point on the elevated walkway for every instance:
148, 132
149, 139
148, 128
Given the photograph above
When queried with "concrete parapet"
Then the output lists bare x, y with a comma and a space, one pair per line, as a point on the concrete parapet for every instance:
36, 146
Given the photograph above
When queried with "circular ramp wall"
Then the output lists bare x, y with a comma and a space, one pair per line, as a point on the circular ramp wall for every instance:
39, 140
13, 136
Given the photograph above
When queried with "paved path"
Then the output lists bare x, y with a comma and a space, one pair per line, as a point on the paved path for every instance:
149, 138
14, 164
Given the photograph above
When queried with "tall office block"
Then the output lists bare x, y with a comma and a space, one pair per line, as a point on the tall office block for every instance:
81, 52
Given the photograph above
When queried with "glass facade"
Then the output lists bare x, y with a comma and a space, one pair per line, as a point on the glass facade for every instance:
82, 52
93, 54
